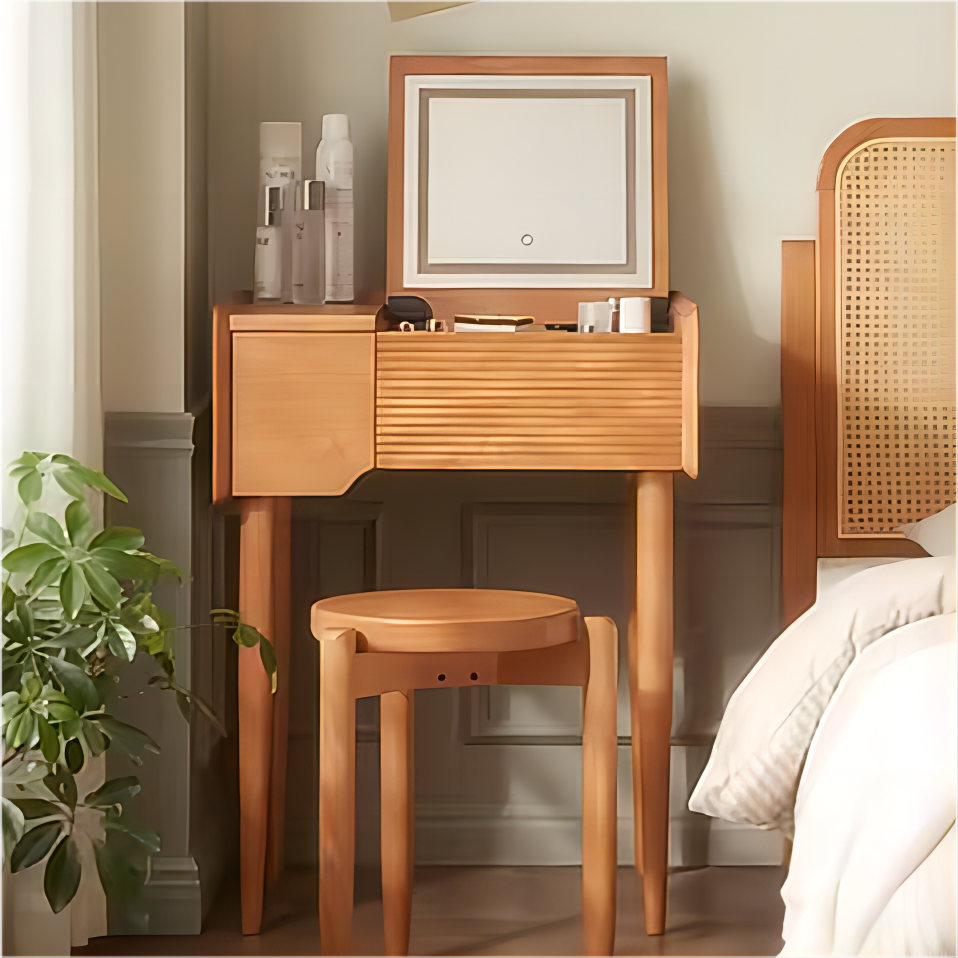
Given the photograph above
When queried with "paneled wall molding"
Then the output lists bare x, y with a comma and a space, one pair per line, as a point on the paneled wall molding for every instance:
148, 455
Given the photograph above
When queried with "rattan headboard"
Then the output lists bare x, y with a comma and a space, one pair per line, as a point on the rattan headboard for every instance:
868, 350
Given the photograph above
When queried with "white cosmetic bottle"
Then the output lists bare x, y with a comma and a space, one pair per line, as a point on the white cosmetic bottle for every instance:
310, 290
334, 165
269, 259
280, 165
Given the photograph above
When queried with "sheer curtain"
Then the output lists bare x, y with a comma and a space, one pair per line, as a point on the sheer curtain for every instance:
49, 304
49, 285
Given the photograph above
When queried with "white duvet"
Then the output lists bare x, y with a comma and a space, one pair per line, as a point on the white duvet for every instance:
873, 862
844, 736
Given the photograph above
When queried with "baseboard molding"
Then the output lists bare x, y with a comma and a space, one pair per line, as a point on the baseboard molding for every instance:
553, 840
171, 903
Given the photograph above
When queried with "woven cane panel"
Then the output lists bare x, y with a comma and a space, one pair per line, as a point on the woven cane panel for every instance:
895, 318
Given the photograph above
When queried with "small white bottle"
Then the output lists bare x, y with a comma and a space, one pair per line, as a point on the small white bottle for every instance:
311, 243
334, 165
280, 164
269, 259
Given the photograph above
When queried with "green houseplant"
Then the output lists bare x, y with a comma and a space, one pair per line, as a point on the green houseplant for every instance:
74, 598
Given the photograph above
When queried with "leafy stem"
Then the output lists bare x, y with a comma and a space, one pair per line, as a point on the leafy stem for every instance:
74, 599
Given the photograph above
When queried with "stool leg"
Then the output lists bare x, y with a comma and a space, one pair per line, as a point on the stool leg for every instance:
337, 789
599, 766
396, 724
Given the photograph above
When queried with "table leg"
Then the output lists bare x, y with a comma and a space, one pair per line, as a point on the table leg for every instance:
650, 685
276, 830
258, 548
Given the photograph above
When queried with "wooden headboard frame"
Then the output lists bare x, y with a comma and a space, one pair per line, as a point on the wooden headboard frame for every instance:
809, 382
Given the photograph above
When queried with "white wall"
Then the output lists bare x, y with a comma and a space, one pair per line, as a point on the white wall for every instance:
757, 91
142, 205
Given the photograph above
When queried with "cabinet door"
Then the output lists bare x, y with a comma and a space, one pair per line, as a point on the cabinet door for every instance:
302, 412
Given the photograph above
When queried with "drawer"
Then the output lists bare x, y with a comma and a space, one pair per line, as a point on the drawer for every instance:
529, 401
302, 412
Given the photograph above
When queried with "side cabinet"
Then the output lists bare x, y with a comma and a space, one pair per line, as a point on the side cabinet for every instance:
302, 412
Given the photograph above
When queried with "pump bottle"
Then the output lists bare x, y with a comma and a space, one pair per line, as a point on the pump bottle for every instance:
334, 165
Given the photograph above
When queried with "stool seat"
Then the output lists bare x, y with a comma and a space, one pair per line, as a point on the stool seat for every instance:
450, 620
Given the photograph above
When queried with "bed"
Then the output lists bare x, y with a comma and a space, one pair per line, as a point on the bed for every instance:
843, 736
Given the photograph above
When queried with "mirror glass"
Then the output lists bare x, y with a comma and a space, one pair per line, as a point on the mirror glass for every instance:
527, 181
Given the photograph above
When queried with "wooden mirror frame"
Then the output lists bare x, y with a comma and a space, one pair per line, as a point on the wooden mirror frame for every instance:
547, 305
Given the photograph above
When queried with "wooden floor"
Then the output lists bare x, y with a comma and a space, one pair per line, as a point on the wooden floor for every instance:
499, 911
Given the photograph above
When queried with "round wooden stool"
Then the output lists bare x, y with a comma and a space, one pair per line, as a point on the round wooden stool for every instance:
391, 643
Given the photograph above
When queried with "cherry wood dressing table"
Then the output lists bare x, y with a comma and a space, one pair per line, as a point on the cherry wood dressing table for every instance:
308, 399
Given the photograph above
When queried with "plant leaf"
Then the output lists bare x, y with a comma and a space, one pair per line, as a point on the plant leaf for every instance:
121, 641
115, 792
73, 590
47, 528
74, 639
26, 729
122, 871
130, 739
12, 828
119, 538
34, 845
30, 487
80, 525
58, 712
73, 753
26, 461
36, 807
11, 677
13, 728
63, 786
246, 635
69, 483
145, 836
9, 598
47, 573
27, 558
61, 878
13, 630
268, 655
94, 737
123, 565
25, 615
106, 590
78, 686
49, 740
91, 477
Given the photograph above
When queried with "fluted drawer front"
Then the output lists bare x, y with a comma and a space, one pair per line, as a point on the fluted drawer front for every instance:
528, 401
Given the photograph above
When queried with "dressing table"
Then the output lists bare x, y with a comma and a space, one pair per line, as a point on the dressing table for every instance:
308, 399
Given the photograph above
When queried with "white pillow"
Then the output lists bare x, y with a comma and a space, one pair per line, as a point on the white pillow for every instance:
936, 534
753, 772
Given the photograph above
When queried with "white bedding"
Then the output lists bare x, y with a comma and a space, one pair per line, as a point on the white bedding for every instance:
846, 731
873, 862
753, 772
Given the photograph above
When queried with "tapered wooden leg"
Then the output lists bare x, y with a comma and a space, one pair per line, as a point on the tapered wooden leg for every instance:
396, 723
650, 682
599, 765
255, 704
337, 789
276, 834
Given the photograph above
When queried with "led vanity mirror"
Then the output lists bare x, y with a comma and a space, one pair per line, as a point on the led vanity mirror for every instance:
527, 182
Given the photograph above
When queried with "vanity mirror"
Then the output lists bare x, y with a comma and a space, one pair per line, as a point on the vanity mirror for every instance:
527, 180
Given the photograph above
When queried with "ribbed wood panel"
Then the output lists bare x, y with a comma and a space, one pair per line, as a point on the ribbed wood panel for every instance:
528, 401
